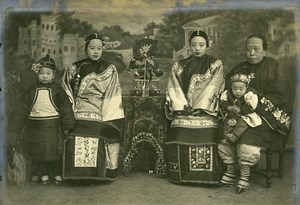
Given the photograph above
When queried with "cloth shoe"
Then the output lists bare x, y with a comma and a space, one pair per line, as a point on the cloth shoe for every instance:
45, 180
58, 180
243, 182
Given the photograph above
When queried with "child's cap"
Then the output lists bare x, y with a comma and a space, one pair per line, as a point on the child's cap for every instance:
241, 78
47, 62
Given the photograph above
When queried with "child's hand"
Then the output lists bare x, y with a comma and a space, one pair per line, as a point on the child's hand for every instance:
224, 141
231, 137
197, 112
236, 110
231, 108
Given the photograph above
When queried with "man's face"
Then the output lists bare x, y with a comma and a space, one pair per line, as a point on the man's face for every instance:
254, 50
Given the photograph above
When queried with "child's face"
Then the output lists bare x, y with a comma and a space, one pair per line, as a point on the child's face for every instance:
94, 49
46, 75
238, 89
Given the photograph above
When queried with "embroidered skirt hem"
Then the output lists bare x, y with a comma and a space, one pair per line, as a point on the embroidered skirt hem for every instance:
87, 158
193, 163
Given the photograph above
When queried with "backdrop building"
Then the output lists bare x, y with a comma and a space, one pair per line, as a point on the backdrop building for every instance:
36, 40
286, 48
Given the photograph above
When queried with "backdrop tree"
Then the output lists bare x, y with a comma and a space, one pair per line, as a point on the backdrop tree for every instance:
235, 26
67, 24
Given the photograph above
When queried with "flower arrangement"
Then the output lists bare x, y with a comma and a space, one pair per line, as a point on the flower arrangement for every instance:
144, 67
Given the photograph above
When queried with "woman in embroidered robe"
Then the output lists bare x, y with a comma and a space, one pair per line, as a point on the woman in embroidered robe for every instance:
272, 86
92, 150
193, 88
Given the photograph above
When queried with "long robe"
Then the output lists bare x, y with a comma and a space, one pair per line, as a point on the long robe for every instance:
45, 111
194, 85
92, 150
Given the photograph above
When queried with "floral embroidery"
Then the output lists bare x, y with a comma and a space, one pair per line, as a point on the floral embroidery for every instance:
201, 78
86, 149
279, 115
72, 70
173, 166
177, 69
251, 99
201, 158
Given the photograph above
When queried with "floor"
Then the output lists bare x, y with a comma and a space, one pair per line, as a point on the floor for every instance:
142, 188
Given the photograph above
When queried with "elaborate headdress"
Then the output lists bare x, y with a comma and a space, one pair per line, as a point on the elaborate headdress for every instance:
242, 78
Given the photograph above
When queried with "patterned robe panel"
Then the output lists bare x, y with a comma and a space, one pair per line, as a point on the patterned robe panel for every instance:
203, 89
98, 97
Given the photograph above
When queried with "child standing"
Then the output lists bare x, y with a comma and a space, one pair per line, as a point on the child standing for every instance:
239, 104
45, 114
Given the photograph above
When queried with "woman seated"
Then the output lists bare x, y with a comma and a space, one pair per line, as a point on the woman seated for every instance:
194, 85
273, 106
93, 86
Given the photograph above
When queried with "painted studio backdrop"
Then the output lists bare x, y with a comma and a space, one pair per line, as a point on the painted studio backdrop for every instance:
31, 35
31, 29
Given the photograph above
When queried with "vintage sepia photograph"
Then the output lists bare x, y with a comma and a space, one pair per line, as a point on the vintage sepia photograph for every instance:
109, 102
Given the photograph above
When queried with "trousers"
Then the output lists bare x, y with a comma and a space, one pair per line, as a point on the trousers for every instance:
239, 153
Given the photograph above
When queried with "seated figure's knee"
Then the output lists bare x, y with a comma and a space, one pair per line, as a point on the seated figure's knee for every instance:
227, 153
248, 154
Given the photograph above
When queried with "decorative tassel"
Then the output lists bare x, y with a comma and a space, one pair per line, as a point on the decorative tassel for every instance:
76, 85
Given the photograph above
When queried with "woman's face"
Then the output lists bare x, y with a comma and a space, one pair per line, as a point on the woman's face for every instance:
198, 46
254, 50
94, 49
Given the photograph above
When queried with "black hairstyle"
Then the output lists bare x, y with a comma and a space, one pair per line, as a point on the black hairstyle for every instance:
201, 34
259, 36
91, 37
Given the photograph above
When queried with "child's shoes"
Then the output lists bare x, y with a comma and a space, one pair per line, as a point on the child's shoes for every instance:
58, 180
45, 180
